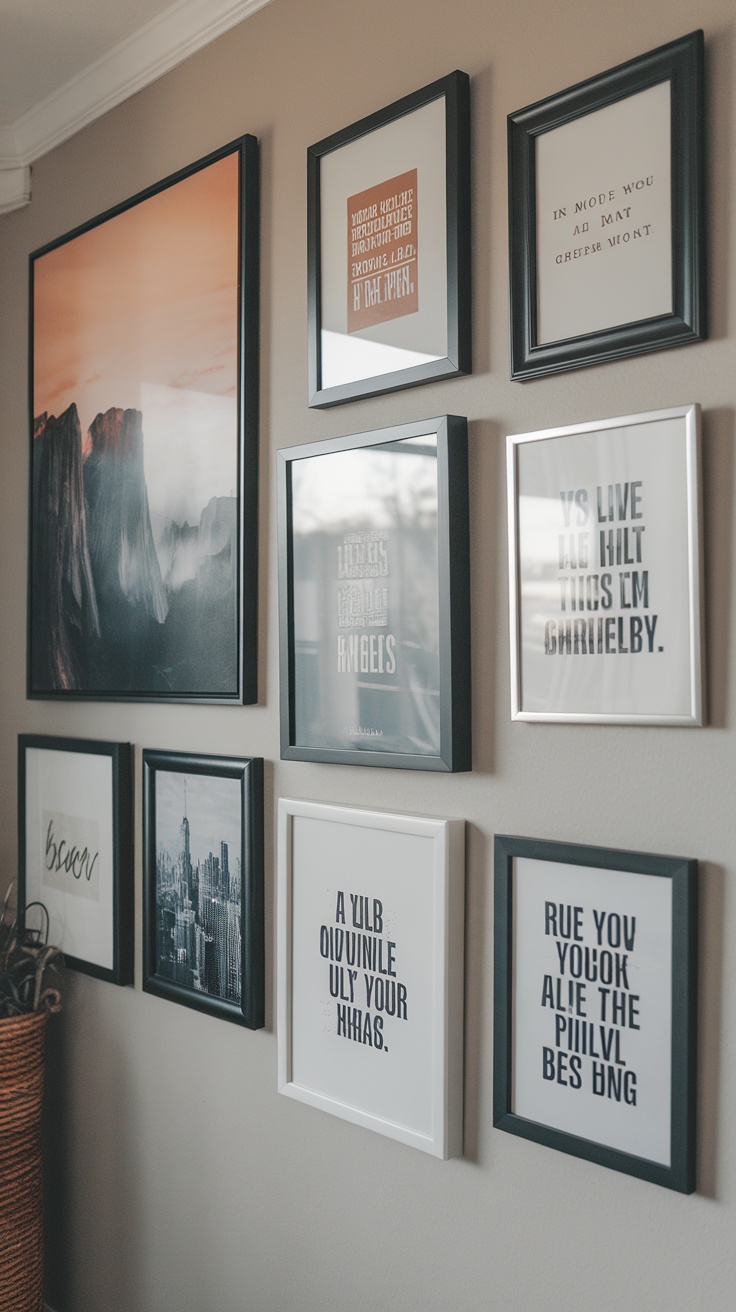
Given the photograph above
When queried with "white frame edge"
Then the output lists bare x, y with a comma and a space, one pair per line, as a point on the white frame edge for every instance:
448, 896
693, 445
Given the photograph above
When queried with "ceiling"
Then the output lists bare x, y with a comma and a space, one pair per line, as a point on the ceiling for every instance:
63, 63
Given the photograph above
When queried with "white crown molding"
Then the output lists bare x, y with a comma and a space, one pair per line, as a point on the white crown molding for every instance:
178, 32
15, 189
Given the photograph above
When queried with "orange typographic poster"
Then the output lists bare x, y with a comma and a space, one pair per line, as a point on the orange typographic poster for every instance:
382, 252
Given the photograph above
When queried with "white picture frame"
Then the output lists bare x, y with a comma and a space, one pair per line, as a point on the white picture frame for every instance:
387, 890
605, 571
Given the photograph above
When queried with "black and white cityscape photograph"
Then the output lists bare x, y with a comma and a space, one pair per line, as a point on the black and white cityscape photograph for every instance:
199, 843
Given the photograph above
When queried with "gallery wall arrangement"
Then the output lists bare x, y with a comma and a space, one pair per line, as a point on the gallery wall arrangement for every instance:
143, 586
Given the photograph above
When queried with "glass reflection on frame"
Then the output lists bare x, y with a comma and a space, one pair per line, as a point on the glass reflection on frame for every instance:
367, 661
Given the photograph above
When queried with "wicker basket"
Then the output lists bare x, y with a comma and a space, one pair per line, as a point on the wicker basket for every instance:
21, 1188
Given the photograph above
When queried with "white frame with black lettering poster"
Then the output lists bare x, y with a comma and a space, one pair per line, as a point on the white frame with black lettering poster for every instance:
605, 571
595, 1008
370, 969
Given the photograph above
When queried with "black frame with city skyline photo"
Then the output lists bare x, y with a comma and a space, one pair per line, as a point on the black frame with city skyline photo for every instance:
203, 935
143, 399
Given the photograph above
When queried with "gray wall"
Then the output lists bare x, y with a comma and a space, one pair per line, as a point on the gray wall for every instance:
180, 1179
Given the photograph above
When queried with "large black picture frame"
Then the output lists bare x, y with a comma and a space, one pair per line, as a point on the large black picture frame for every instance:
450, 747
127, 600
454, 90
681, 64
509, 984
247, 774
53, 789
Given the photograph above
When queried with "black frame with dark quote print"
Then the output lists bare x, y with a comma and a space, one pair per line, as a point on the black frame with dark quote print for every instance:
35, 787
681, 875
454, 91
681, 63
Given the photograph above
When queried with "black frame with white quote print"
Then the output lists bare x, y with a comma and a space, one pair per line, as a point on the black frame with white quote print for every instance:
581, 1065
606, 571
374, 598
555, 172
414, 222
75, 848
203, 911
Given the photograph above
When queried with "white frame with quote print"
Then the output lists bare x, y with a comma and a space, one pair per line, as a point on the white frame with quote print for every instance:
605, 565
370, 969
75, 848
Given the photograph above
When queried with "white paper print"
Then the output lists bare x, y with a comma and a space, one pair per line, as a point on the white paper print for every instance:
592, 1004
604, 218
69, 849
604, 572
363, 969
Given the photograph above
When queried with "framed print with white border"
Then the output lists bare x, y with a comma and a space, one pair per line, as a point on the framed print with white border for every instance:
389, 247
606, 215
605, 565
75, 848
374, 598
595, 1005
370, 969
203, 935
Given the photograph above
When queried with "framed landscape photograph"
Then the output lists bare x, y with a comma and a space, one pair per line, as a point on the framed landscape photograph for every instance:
389, 247
374, 598
203, 936
144, 444
370, 969
75, 848
605, 565
595, 1005
606, 215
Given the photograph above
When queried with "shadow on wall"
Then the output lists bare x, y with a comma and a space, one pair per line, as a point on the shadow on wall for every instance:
718, 463
91, 1187
711, 900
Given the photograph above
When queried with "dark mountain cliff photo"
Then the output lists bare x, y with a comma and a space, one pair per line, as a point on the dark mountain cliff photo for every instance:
114, 611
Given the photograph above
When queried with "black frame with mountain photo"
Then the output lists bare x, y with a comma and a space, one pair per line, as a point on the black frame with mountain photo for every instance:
143, 390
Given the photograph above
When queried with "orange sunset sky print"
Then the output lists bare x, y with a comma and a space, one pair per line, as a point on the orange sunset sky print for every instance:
141, 312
